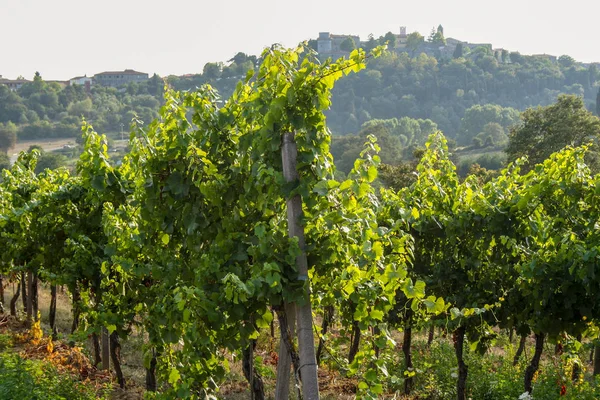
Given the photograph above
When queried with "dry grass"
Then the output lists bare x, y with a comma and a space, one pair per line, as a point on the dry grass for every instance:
48, 144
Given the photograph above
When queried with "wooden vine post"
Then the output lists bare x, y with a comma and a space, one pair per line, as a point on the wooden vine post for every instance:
287, 327
306, 340
105, 349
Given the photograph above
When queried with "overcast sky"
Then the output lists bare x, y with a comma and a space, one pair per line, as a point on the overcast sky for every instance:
66, 38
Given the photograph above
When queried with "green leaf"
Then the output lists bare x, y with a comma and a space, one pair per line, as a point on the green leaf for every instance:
377, 249
261, 323
165, 239
371, 375
377, 388
415, 213
321, 188
174, 376
363, 189
377, 314
372, 173
420, 289
455, 313
414, 291
346, 184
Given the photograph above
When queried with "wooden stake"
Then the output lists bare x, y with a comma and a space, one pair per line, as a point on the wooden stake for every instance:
105, 349
306, 339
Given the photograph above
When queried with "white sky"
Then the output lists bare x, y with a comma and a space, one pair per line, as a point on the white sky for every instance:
67, 38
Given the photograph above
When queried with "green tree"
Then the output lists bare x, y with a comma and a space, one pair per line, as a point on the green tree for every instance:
212, 70
50, 160
493, 134
390, 38
458, 51
546, 130
566, 61
516, 58
437, 36
4, 161
431, 36
414, 41
239, 58
371, 43
598, 103
348, 44
477, 117
80, 108
8, 136
593, 72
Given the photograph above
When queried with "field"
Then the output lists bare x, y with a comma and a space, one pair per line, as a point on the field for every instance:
45, 144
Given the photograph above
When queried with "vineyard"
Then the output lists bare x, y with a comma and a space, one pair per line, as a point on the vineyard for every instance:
225, 225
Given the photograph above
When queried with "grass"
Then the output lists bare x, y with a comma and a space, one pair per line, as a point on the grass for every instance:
28, 379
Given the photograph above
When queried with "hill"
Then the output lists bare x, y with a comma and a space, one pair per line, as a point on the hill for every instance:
472, 93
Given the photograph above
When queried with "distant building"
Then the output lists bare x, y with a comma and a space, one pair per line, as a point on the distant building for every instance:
13, 84
81, 81
329, 45
119, 78
401, 39
84, 81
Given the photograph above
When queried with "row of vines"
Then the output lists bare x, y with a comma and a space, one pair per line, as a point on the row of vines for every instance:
197, 240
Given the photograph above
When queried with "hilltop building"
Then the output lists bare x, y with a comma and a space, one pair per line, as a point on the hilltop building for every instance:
329, 45
13, 84
81, 81
84, 81
119, 78
401, 39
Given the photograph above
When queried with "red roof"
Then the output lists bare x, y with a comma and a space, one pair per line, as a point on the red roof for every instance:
125, 72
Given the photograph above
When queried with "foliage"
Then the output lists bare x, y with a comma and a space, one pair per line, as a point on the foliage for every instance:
477, 119
40, 109
458, 51
493, 377
348, 45
417, 82
186, 239
4, 161
546, 130
437, 36
414, 40
21, 379
50, 160
398, 138
8, 136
